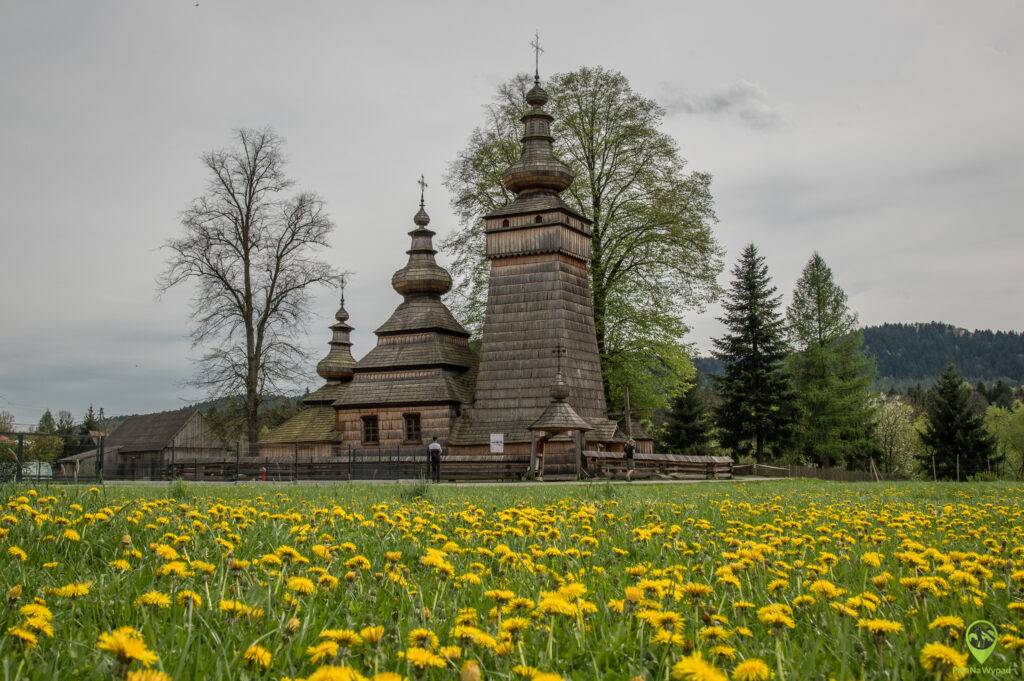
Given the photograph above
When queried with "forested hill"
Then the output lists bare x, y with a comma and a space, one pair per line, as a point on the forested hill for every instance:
910, 352
916, 353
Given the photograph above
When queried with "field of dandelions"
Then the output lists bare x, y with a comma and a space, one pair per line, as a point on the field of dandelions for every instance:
743, 581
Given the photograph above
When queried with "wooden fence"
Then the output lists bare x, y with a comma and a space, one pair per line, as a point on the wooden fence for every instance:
670, 466
838, 474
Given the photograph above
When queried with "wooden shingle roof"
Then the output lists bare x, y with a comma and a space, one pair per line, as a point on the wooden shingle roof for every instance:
149, 432
421, 356
312, 424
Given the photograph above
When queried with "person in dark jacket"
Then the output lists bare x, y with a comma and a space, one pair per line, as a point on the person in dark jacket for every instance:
435, 459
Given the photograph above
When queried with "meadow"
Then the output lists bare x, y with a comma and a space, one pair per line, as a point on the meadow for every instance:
745, 581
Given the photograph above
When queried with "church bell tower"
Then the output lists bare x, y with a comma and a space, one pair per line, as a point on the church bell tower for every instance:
539, 297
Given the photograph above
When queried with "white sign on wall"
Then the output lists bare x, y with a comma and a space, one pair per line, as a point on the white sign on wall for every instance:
497, 443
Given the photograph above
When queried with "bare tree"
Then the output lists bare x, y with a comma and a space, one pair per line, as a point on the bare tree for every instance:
250, 249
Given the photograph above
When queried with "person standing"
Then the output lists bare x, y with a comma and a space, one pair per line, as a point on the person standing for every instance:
630, 458
435, 459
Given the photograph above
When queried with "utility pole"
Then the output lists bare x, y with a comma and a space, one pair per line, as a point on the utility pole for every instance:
18, 474
629, 416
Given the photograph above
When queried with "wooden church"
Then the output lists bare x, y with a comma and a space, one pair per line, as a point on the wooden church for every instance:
534, 388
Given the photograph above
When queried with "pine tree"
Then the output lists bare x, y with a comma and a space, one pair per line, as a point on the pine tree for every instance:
832, 374
755, 411
957, 442
47, 445
688, 427
89, 422
47, 426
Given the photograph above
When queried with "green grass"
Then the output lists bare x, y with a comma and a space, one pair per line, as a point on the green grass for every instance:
675, 534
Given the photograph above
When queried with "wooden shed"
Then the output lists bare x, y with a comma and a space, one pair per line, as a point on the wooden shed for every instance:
144, 445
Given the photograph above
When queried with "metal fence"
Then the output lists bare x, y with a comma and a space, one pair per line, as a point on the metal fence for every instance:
33, 457
402, 463
292, 462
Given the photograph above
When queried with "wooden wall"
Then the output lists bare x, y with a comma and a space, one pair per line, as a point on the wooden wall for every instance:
435, 419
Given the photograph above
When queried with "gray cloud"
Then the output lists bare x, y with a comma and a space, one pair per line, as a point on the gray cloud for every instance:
743, 101
904, 170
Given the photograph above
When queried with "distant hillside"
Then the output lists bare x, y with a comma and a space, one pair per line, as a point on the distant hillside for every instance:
911, 352
916, 353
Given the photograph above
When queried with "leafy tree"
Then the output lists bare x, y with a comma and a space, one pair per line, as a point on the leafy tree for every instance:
956, 441
898, 437
6, 421
8, 451
1007, 426
654, 254
688, 424
832, 375
251, 251
756, 408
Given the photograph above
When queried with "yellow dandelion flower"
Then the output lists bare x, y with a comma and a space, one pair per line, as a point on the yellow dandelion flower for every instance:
258, 656
153, 599
423, 638
147, 675
74, 590
421, 658
948, 622
345, 637
752, 669
301, 585
941, 660
371, 634
325, 650
880, 627
470, 671
332, 673
127, 645
23, 636
695, 668
189, 597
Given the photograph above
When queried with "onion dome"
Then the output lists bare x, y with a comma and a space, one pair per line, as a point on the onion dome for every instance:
538, 169
337, 365
421, 275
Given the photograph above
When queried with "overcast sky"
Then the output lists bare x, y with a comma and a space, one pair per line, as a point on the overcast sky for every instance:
888, 136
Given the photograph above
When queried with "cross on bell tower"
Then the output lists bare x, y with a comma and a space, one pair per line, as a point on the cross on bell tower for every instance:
423, 185
559, 353
537, 49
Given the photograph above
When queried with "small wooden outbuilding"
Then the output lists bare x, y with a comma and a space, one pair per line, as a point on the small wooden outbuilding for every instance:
144, 445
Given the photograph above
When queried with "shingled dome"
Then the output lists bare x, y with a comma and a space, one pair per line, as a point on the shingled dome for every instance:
538, 169
338, 364
422, 355
559, 417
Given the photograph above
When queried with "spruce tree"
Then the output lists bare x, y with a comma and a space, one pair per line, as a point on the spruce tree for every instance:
755, 411
832, 374
958, 444
688, 426
89, 422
